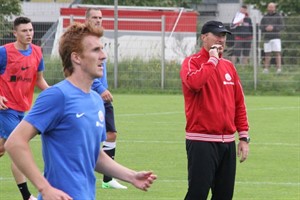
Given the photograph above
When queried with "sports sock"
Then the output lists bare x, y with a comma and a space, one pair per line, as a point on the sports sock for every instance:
109, 148
24, 190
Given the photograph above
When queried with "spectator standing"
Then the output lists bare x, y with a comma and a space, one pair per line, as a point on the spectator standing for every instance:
100, 85
271, 24
214, 109
21, 68
72, 126
241, 27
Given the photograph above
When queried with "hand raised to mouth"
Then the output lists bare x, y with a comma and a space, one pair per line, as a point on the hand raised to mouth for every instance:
215, 50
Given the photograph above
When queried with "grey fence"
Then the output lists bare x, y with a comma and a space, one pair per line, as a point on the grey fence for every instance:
158, 69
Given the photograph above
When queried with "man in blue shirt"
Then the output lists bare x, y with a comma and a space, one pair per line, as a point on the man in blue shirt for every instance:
69, 116
100, 85
21, 69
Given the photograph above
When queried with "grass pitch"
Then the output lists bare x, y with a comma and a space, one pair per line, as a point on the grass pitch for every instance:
151, 137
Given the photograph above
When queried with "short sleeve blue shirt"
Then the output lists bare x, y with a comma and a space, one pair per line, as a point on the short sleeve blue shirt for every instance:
72, 127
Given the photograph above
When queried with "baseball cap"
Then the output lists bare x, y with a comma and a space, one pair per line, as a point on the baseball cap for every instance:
214, 27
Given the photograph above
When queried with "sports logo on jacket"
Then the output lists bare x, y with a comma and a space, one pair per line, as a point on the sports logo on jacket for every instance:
228, 79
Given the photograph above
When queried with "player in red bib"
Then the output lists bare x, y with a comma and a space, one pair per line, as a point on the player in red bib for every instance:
21, 69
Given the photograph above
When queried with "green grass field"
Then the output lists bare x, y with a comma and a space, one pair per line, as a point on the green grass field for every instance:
151, 136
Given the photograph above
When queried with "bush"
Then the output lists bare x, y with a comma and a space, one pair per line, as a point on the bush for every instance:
136, 76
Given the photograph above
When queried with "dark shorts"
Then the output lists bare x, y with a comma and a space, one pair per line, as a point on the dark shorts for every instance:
9, 119
242, 47
109, 118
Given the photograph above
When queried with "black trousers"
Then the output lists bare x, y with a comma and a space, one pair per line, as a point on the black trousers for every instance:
211, 165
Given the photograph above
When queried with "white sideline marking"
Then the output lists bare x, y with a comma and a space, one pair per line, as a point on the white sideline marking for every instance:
268, 183
147, 114
276, 144
173, 181
249, 182
182, 112
275, 108
183, 141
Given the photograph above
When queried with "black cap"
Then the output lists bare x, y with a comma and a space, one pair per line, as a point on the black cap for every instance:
214, 27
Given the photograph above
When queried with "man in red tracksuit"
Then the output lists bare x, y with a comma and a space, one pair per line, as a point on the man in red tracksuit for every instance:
215, 109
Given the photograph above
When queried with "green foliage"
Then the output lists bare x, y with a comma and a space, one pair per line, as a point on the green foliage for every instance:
156, 3
53, 73
291, 37
137, 76
8, 8
288, 7
145, 77
286, 83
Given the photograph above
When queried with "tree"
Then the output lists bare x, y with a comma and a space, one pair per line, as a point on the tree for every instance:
287, 7
157, 3
8, 8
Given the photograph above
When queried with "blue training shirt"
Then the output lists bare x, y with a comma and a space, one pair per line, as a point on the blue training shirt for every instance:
72, 127
100, 84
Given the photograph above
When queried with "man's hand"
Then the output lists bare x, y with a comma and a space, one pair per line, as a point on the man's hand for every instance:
107, 96
143, 180
243, 150
216, 50
269, 28
53, 193
2, 103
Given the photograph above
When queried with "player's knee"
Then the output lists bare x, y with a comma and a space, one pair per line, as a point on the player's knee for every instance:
111, 136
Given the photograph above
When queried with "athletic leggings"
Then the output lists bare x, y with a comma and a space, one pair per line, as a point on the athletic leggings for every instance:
211, 165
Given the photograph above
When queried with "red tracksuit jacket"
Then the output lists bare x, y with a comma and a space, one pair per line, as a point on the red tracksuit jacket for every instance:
214, 99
